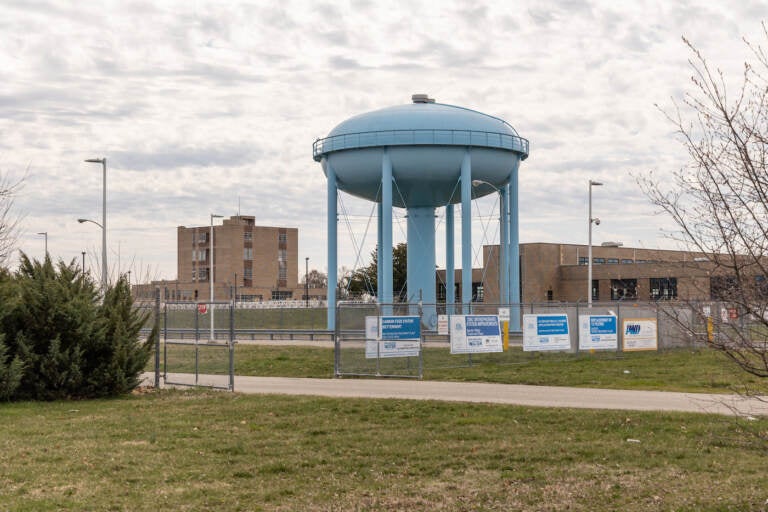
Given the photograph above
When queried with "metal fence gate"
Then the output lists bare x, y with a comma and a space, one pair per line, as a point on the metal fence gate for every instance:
205, 356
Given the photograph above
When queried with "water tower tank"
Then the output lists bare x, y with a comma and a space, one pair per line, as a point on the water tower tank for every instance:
420, 156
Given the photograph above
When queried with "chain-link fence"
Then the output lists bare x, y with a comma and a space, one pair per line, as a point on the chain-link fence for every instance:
360, 349
199, 339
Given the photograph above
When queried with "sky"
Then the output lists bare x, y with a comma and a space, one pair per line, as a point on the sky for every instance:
207, 107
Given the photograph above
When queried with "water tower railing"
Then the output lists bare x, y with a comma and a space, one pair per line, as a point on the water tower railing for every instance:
420, 137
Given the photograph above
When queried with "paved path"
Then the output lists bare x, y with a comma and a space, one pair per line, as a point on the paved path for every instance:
538, 396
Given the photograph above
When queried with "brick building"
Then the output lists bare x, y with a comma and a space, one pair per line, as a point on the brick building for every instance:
558, 272
250, 263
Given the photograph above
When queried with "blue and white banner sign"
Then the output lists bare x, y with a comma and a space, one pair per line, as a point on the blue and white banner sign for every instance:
598, 332
403, 336
399, 328
546, 332
475, 333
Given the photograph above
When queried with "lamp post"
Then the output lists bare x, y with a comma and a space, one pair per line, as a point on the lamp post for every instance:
103, 162
45, 234
103, 251
306, 281
596, 222
83, 253
211, 275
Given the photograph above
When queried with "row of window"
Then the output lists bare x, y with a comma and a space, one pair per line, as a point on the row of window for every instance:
661, 288
584, 260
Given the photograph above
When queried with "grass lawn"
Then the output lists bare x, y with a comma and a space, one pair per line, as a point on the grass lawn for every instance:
197, 450
686, 370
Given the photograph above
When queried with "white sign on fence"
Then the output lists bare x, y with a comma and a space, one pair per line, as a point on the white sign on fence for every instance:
598, 332
442, 325
475, 333
546, 332
392, 336
639, 334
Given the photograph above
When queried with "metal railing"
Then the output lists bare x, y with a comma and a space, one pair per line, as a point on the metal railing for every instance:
421, 137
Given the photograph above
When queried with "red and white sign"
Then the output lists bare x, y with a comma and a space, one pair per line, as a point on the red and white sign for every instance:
202, 308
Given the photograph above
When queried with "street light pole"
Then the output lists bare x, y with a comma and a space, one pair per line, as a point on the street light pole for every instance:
45, 234
306, 280
83, 262
211, 275
103, 254
595, 221
103, 162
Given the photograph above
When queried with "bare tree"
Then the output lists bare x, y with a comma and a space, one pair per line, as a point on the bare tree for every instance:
9, 222
719, 201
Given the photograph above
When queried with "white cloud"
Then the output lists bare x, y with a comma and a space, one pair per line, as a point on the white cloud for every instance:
199, 106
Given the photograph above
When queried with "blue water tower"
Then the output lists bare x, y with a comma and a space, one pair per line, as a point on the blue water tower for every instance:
423, 156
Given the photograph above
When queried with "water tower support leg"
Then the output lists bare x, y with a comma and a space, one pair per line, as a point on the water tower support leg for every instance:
503, 247
379, 245
514, 250
332, 246
421, 263
450, 267
386, 239
466, 231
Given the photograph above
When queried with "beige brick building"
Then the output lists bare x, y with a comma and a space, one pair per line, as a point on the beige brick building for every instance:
250, 262
558, 272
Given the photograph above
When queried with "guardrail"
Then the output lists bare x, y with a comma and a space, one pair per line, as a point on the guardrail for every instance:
240, 334
420, 137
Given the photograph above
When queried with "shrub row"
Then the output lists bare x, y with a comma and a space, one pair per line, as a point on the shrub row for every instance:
61, 337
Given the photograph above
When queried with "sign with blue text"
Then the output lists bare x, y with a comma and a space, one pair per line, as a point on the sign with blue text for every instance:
598, 332
385, 337
475, 333
639, 334
546, 332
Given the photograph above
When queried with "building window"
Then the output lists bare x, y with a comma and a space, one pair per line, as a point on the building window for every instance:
722, 287
622, 289
583, 260
248, 235
595, 289
441, 292
282, 238
281, 295
612, 260
248, 253
550, 295
199, 254
761, 287
202, 237
627, 261
248, 273
478, 292
202, 274
598, 261
663, 288
282, 272
282, 255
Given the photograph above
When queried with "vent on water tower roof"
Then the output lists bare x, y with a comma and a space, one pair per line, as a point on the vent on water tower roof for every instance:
422, 98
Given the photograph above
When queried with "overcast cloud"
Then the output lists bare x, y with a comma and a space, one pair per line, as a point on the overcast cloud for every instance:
212, 107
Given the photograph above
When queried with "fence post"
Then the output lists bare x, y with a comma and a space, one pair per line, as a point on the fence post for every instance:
619, 330
658, 329
336, 341
157, 337
232, 346
578, 328
197, 340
